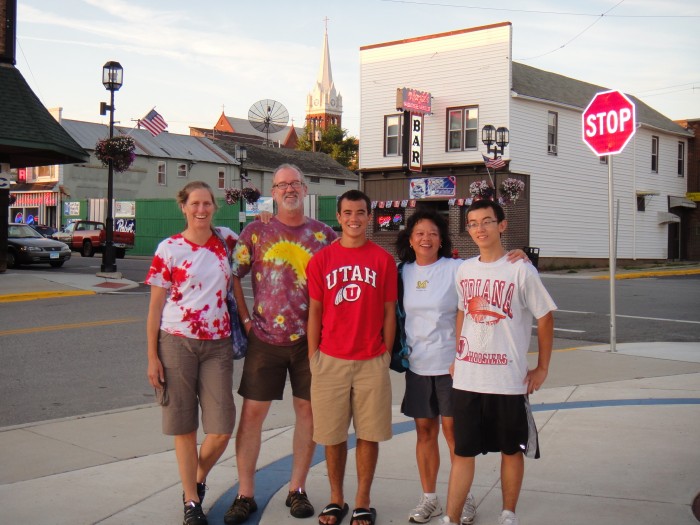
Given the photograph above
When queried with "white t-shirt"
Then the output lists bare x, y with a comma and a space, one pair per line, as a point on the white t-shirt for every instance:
197, 279
499, 301
430, 301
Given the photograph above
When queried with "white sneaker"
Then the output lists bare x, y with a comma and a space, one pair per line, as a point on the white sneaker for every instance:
469, 510
426, 509
508, 518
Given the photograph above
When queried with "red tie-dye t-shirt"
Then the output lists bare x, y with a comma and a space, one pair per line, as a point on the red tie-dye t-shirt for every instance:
196, 279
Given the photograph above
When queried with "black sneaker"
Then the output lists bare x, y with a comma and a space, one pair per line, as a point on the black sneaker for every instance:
194, 514
240, 510
300, 506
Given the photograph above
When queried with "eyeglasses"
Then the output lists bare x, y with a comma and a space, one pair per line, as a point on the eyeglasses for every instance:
486, 223
282, 186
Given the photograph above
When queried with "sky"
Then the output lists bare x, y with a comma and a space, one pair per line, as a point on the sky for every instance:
191, 60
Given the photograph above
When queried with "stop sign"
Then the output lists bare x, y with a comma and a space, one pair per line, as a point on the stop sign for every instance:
609, 122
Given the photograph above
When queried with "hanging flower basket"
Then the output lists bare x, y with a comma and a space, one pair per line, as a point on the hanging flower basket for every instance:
250, 194
233, 195
481, 190
120, 150
510, 190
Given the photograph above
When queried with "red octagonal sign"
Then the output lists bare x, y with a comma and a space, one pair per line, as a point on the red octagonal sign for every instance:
609, 122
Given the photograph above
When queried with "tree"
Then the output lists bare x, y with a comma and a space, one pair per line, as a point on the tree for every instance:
335, 142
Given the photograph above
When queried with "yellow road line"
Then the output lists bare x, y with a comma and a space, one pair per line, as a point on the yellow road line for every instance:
640, 275
32, 296
52, 328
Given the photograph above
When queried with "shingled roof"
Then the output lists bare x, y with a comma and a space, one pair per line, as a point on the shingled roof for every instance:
29, 135
551, 87
265, 158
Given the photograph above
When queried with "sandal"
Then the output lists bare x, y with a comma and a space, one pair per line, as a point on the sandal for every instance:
334, 510
367, 515
299, 504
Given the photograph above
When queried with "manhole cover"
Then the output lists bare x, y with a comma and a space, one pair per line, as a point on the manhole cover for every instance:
696, 507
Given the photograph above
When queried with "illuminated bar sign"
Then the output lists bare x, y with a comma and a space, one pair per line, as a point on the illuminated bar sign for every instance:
412, 100
415, 163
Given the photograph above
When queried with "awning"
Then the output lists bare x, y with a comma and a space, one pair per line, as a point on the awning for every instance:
682, 202
645, 193
665, 217
29, 135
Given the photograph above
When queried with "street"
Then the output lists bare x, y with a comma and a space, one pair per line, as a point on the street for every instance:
77, 355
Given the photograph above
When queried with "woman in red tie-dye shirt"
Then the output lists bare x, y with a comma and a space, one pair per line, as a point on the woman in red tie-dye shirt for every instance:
189, 345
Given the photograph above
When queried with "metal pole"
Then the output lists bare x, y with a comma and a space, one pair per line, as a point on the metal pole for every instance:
108, 259
241, 223
613, 255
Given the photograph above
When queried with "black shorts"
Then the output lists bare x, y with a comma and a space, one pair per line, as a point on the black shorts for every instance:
427, 396
493, 423
265, 370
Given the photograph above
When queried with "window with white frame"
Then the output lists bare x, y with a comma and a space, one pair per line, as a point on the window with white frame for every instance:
162, 180
340, 182
315, 180
654, 154
392, 135
462, 128
182, 170
604, 159
681, 159
552, 132
221, 183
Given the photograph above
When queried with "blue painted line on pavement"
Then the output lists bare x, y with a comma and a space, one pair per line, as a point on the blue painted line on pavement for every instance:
271, 478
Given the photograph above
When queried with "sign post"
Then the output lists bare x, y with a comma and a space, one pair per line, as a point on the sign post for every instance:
609, 122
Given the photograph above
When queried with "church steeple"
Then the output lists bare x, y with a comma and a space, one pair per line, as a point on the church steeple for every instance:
324, 104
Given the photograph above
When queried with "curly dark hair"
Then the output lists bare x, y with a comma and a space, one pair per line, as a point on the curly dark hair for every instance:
403, 240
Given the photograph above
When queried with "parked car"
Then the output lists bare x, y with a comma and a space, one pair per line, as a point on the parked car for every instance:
88, 237
46, 231
25, 245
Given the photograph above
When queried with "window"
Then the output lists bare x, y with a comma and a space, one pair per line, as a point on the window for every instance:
387, 220
162, 180
655, 154
392, 135
681, 159
315, 180
340, 182
182, 170
641, 203
462, 128
604, 159
221, 184
552, 132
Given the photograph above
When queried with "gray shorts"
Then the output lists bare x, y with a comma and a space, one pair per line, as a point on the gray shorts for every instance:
427, 396
197, 372
265, 370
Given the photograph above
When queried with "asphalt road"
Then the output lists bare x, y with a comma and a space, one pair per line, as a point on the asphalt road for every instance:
76, 355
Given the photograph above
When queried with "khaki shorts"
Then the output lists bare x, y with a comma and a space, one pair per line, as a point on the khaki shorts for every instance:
197, 372
342, 390
265, 370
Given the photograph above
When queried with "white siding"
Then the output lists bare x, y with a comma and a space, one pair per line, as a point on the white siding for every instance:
569, 191
471, 68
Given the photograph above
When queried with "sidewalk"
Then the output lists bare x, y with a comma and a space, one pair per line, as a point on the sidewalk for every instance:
618, 434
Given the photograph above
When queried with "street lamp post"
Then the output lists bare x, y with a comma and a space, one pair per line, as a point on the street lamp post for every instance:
241, 154
112, 79
494, 139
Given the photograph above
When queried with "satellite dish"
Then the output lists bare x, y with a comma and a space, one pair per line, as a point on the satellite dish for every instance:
268, 116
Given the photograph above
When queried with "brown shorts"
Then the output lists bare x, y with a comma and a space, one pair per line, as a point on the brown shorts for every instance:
265, 370
342, 390
197, 372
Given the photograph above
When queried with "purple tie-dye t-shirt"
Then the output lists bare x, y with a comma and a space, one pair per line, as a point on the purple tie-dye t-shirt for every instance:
276, 256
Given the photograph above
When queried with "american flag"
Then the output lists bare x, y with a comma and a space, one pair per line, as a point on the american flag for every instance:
154, 123
496, 163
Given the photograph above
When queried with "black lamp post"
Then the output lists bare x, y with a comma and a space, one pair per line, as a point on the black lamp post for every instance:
494, 139
112, 79
241, 154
